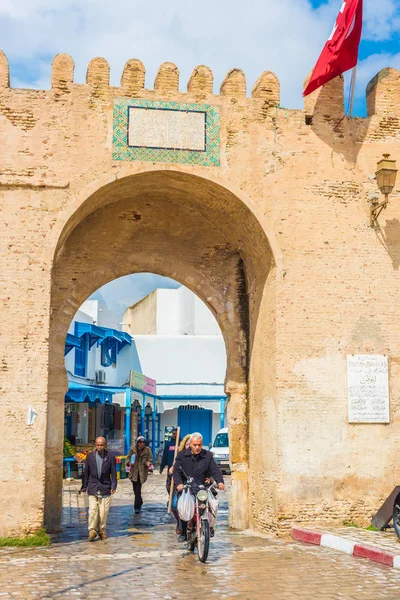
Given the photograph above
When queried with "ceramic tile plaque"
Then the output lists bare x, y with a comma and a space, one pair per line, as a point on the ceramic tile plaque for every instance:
368, 388
156, 131
167, 129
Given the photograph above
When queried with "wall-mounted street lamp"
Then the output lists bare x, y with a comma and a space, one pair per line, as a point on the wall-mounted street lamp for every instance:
385, 178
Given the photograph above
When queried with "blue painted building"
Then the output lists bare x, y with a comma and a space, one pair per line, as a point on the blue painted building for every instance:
99, 358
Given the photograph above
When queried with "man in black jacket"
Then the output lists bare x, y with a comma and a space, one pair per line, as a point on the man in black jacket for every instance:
100, 483
197, 463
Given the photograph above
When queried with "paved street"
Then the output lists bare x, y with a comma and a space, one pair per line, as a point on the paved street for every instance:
142, 559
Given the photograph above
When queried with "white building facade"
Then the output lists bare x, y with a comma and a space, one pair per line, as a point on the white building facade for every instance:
180, 345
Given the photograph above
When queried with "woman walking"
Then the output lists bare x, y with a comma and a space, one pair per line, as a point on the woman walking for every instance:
139, 469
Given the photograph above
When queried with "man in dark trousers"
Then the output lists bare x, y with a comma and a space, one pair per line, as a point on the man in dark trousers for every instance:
197, 463
100, 483
169, 452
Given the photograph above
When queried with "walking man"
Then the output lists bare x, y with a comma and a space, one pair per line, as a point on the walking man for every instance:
100, 483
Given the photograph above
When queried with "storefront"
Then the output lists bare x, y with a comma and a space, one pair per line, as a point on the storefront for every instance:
91, 412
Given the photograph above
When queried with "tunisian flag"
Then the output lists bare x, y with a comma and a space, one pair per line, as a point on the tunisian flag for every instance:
340, 52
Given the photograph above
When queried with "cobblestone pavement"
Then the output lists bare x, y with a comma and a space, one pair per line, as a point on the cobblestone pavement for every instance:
142, 559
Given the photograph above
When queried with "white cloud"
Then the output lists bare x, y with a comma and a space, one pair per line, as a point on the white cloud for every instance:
285, 36
372, 65
126, 291
381, 19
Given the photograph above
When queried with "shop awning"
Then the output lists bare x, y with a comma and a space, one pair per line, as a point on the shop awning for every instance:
102, 335
95, 333
72, 341
120, 337
77, 392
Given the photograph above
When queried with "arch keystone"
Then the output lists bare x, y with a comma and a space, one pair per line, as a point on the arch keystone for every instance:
4, 71
267, 87
201, 80
167, 78
234, 84
327, 102
98, 73
62, 73
383, 92
133, 75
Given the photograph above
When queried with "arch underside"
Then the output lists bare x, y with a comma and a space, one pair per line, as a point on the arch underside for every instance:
180, 226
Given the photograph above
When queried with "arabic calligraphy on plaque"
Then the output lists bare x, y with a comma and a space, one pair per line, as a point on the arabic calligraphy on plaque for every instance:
169, 129
368, 388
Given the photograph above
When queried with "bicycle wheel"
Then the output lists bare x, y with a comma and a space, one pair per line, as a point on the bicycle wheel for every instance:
396, 516
203, 542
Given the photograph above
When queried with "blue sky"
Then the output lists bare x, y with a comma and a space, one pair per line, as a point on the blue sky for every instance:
285, 36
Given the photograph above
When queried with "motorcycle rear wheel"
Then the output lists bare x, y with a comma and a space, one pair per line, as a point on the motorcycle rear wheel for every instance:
396, 516
203, 541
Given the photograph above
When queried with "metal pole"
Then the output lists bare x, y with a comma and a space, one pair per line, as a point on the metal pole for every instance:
352, 89
127, 430
153, 428
142, 415
222, 413
128, 421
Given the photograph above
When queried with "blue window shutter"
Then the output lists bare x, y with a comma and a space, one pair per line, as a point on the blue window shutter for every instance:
114, 353
81, 355
109, 351
106, 360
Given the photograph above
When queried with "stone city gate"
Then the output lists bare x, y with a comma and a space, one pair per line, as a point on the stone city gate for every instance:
262, 212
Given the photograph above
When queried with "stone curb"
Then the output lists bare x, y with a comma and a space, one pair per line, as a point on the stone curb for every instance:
345, 545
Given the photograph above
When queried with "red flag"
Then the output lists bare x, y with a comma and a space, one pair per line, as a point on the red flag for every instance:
340, 52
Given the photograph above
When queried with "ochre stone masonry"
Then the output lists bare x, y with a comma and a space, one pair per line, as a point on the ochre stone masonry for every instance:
276, 240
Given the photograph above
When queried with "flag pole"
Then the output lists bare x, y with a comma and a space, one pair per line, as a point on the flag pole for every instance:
352, 89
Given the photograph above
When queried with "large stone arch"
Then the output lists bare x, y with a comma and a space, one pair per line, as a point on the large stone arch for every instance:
208, 237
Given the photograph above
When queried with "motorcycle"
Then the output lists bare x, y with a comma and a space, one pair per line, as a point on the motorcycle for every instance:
200, 527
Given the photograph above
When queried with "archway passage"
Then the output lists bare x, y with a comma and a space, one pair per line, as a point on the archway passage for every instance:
206, 237
143, 355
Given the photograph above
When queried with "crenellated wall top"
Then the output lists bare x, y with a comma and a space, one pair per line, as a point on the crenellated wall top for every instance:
382, 93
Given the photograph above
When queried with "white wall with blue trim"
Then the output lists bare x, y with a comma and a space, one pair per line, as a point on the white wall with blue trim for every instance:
180, 345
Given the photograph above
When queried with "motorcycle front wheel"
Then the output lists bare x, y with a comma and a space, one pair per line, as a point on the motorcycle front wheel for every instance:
396, 516
203, 542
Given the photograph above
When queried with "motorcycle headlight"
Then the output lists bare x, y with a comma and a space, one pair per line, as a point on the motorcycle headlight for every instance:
202, 495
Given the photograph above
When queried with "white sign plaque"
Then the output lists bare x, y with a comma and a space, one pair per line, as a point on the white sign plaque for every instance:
167, 129
368, 388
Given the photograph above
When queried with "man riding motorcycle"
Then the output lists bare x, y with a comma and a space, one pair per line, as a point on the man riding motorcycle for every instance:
197, 463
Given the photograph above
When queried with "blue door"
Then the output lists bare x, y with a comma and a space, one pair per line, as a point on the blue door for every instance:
195, 419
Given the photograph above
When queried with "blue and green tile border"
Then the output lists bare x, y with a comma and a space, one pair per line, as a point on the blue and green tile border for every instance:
209, 157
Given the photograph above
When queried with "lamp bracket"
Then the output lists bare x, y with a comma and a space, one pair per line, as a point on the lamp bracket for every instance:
376, 210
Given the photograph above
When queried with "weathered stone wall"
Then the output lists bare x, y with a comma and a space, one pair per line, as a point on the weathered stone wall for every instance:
276, 241
142, 320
